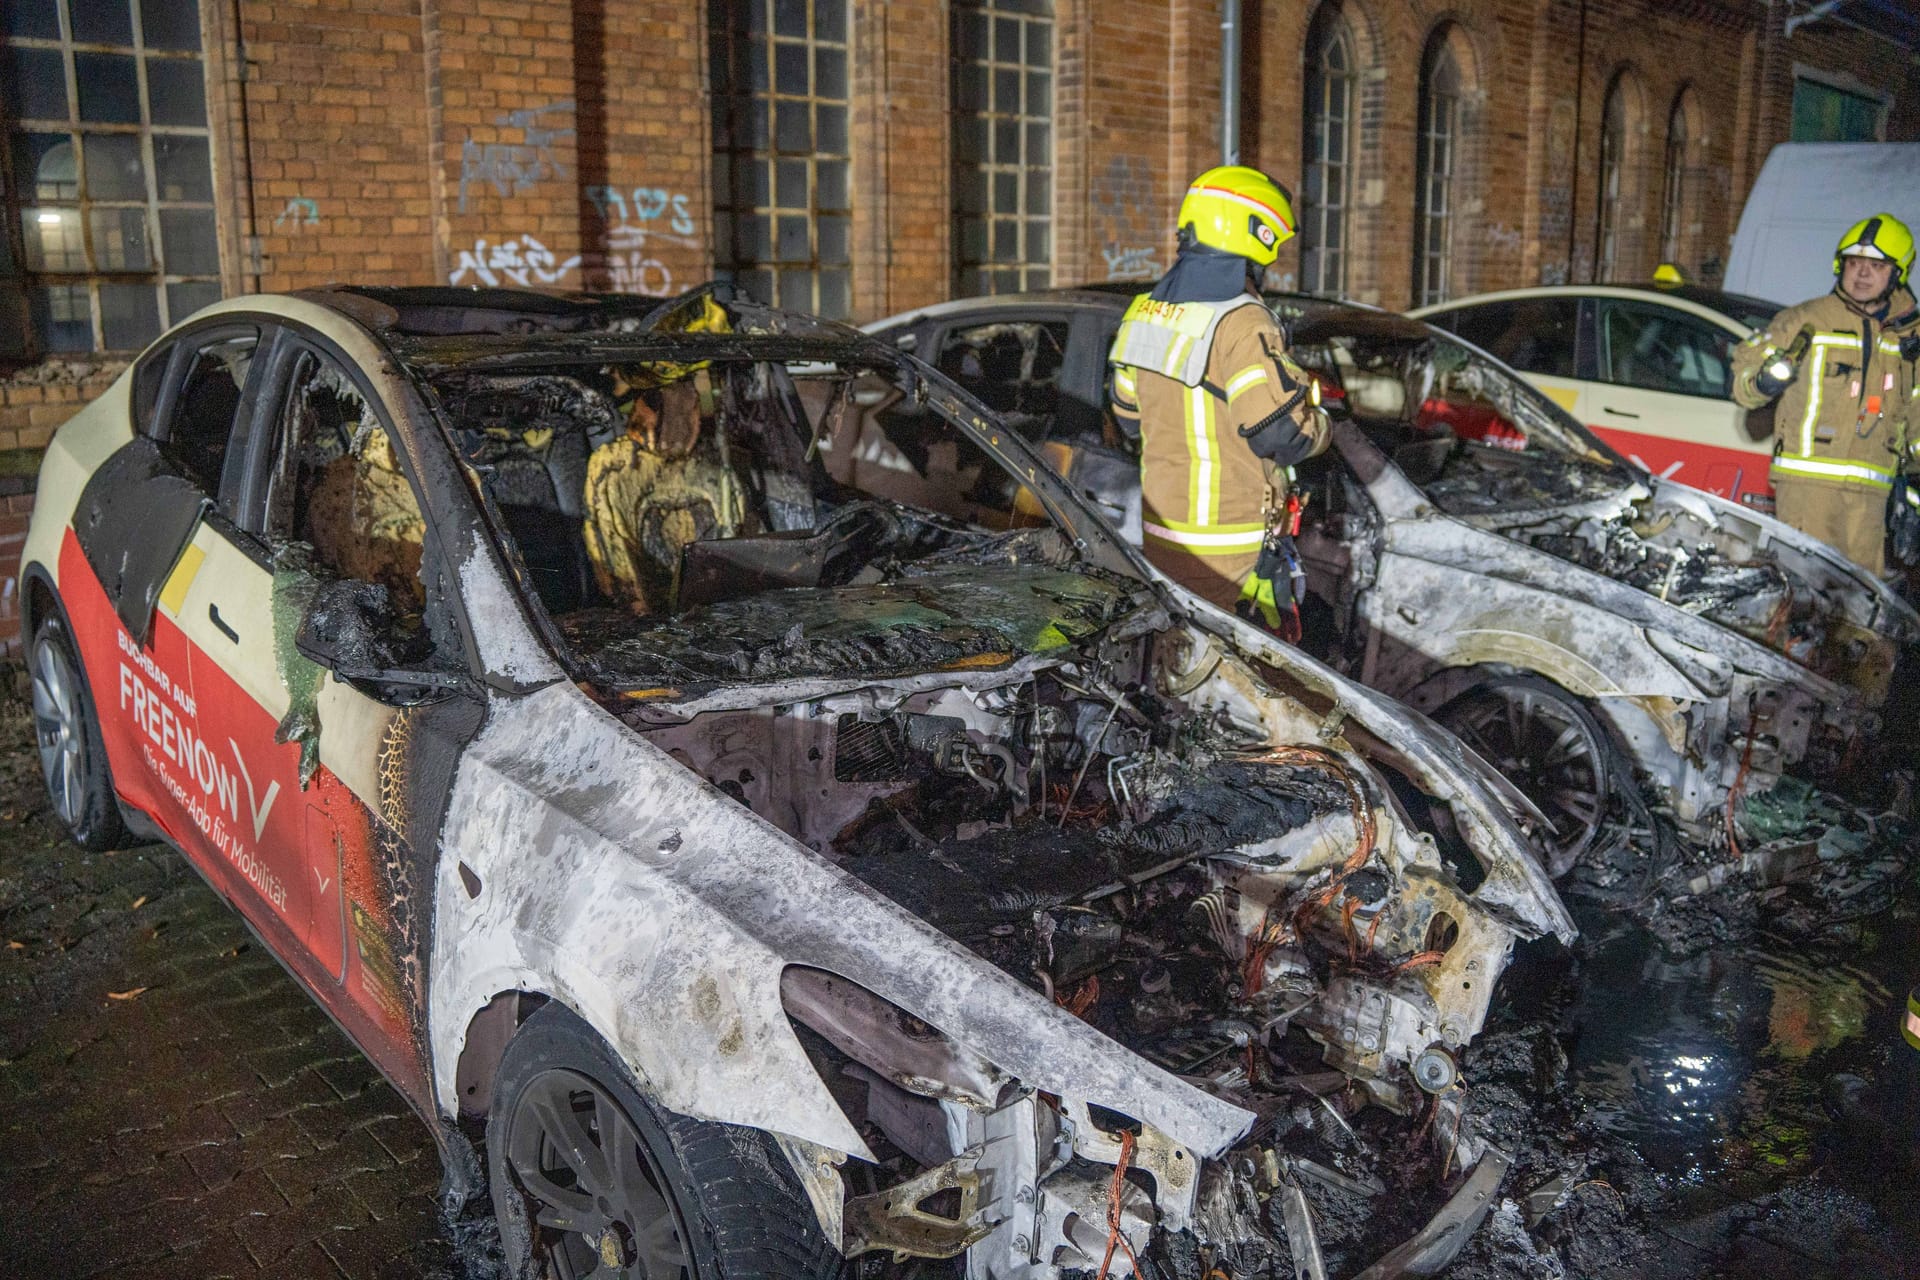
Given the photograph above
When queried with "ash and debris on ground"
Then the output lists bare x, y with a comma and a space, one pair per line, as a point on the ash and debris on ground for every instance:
1710, 1083
171, 1103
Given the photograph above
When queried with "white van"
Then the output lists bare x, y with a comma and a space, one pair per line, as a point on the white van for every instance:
1807, 195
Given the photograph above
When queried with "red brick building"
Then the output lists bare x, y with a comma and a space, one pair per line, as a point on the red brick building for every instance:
861, 157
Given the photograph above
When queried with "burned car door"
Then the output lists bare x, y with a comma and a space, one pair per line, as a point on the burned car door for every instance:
325, 585
145, 524
325, 538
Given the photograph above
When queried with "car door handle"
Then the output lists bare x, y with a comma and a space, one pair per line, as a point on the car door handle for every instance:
1618, 413
213, 615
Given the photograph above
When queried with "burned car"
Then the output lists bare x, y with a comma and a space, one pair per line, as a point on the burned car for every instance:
739, 870
1471, 548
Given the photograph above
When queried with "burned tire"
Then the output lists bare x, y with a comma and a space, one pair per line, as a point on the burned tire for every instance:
73, 759
590, 1178
1550, 747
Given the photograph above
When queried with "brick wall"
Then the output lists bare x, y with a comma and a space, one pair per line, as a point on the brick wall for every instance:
32, 403
565, 143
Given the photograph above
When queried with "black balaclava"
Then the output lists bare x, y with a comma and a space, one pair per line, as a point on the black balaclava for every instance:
1203, 274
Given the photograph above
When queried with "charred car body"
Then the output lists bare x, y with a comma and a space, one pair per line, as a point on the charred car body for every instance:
1472, 549
895, 886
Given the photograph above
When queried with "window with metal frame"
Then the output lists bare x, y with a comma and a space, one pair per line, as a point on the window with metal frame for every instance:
1439, 140
1328, 148
1829, 113
782, 211
1002, 86
108, 189
1673, 202
1613, 147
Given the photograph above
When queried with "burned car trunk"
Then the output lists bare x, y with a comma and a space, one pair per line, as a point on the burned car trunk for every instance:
952, 856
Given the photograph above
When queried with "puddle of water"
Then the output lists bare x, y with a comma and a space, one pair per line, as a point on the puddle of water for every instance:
1721, 1067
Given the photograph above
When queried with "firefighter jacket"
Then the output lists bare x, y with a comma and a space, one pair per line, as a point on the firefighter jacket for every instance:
1190, 376
1838, 426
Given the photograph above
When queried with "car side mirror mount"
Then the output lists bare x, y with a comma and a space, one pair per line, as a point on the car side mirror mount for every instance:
351, 629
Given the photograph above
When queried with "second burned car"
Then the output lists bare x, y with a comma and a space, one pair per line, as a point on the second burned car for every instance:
741, 869
1471, 548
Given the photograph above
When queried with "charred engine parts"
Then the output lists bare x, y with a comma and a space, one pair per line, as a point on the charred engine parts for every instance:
1241, 920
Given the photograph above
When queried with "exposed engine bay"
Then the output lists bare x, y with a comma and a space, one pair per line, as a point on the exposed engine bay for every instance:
1718, 566
1261, 921
1486, 449
1259, 879
1189, 891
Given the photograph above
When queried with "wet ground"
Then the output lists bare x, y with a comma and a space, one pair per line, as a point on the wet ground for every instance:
1709, 1088
171, 1104
1714, 1084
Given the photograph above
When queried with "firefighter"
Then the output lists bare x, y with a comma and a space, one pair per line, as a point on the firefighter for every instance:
1201, 375
1845, 390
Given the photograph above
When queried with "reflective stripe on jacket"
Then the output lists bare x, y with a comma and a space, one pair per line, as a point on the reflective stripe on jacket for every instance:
1173, 339
1206, 498
1842, 419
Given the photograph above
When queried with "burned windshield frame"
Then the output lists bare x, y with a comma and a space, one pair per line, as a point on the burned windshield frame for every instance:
760, 336
1311, 322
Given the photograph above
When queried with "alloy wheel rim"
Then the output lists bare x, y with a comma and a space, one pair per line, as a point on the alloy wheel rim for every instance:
58, 732
595, 1195
1549, 754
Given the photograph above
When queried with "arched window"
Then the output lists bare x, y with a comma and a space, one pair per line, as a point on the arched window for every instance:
1328, 117
1439, 145
1674, 194
1613, 150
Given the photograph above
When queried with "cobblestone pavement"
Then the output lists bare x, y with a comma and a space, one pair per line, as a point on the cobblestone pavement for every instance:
171, 1102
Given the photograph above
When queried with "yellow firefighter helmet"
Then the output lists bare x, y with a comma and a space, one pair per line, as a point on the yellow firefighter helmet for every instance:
1240, 210
1882, 236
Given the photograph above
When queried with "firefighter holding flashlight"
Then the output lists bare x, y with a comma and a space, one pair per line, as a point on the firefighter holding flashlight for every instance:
1842, 368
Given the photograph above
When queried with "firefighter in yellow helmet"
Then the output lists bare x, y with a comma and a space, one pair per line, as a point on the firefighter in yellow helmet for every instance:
1845, 391
1200, 371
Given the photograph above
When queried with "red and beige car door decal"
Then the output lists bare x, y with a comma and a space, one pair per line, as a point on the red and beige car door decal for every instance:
191, 724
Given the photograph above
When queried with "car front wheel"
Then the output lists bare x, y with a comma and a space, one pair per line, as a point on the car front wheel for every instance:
591, 1179
73, 760
1550, 747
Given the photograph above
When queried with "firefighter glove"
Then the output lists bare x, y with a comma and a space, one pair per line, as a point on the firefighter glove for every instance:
1782, 367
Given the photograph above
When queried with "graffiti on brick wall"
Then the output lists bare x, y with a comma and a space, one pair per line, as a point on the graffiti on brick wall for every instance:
1502, 237
1123, 205
643, 205
520, 260
640, 221
511, 167
1140, 262
300, 212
